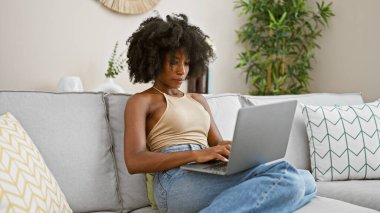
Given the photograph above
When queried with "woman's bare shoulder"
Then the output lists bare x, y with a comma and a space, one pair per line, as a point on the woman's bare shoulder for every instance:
142, 99
199, 97
139, 97
136, 100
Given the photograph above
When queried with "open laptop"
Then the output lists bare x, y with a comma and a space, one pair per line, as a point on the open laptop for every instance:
261, 135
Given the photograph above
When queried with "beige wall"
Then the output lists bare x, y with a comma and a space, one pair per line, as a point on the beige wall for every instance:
349, 58
43, 40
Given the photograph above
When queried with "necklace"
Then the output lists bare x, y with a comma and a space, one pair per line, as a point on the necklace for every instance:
182, 93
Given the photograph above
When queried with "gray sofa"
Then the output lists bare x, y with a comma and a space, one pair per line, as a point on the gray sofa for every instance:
80, 136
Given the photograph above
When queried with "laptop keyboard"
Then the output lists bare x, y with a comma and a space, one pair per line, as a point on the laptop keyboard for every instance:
219, 166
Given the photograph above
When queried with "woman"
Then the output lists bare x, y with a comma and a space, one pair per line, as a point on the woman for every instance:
166, 128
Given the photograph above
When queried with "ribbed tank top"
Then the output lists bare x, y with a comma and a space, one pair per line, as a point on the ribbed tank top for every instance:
185, 121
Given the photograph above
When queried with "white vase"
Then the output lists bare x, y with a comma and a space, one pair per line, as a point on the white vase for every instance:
70, 84
109, 86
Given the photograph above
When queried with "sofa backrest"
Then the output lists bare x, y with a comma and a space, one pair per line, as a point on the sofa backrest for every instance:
81, 137
132, 188
224, 109
71, 132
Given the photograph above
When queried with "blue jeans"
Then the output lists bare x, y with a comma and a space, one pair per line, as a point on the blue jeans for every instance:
276, 187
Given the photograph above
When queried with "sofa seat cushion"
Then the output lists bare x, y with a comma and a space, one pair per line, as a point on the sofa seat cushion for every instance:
297, 152
72, 134
360, 192
322, 204
316, 205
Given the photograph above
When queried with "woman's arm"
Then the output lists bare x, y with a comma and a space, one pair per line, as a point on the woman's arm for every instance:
139, 160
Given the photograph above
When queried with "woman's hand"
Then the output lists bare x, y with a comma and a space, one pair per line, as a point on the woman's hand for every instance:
224, 142
218, 152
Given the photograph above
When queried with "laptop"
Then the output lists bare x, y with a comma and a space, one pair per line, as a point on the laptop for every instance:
261, 135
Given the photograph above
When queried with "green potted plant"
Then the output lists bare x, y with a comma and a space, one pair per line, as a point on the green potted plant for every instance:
117, 63
279, 38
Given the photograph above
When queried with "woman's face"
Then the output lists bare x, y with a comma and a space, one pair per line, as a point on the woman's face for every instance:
174, 70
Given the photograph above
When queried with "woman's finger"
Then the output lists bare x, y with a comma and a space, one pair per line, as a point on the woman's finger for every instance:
222, 158
224, 151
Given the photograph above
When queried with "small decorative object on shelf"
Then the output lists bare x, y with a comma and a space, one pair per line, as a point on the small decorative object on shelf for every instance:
70, 84
116, 64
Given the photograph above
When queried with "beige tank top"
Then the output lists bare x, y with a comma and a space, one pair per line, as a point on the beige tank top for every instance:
185, 121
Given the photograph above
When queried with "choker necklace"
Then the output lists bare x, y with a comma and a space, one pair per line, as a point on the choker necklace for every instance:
182, 93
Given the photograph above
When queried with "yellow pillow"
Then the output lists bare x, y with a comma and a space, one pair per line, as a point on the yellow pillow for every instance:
26, 183
150, 191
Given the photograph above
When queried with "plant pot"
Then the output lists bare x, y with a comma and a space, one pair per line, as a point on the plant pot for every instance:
109, 86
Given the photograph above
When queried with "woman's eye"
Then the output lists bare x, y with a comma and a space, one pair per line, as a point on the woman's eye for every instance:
173, 62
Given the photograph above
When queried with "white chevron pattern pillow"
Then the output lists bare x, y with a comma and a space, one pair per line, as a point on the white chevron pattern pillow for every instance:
344, 141
26, 184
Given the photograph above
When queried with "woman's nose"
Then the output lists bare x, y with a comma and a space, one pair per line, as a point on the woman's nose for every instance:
181, 69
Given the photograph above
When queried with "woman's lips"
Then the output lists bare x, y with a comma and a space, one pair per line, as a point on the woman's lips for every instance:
179, 80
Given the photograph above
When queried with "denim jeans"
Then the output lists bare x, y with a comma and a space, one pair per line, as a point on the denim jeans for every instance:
276, 187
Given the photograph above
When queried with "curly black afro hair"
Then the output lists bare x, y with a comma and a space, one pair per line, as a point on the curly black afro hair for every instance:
156, 37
